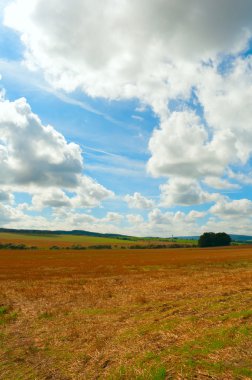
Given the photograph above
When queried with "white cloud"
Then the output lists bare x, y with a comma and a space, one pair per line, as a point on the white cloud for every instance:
112, 217
132, 48
134, 219
194, 215
186, 145
227, 109
185, 192
180, 147
33, 154
241, 177
219, 183
9, 214
231, 209
157, 217
172, 223
155, 51
241, 227
90, 193
150, 50
137, 117
6, 196
51, 198
137, 200
37, 159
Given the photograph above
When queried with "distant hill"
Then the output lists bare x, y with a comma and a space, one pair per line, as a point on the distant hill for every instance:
242, 238
61, 232
238, 238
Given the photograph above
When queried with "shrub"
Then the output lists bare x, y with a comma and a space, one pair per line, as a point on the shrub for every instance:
13, 246
77, 246
104, 246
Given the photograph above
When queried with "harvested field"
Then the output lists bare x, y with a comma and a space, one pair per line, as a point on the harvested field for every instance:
126, 314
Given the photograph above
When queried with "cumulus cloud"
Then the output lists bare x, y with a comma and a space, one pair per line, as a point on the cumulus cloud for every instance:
9, 214
131, 50
137, 200
61, 218
242, 225
241, 177
231, 216
156, 51
172, 223
112, 217
33, 154
226, 99
6, 196
37, 159
185, 192
219, 183
90, 193
205, 147
135, 219
51, 198
180, 147
231, 209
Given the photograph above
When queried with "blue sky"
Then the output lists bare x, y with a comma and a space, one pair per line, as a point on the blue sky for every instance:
157, 136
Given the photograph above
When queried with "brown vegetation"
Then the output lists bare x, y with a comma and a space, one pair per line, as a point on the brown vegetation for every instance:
126, 314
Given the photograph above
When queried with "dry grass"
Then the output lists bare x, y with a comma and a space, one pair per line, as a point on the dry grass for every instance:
126, 314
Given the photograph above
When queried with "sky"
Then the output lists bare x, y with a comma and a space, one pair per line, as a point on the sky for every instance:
126, 116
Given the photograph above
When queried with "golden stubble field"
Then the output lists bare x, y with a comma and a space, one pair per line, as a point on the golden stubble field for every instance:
126, 314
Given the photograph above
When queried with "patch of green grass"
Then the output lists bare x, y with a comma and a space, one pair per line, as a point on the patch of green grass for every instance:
245, 330
120, 374
221, 367
195, 354
3, 310
46, 315
127, 334
243, 372
170, 324
147, 328
63, 238
54, 239
239, 314
6, 315
216, 368
150, 357
152, 373
158, 373
197, 349
93, 311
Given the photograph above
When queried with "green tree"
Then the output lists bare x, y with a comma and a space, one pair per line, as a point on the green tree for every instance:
221, 239
210, 239
207, 239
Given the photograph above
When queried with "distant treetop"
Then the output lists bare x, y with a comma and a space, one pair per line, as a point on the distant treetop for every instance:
211, 239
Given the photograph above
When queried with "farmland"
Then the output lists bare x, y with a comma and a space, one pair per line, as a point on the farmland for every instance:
124, 313
63, 241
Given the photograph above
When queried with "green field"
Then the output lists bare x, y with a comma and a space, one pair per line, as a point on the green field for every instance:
48, 240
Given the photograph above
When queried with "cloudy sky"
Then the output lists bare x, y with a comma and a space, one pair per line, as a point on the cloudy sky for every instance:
126, 116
